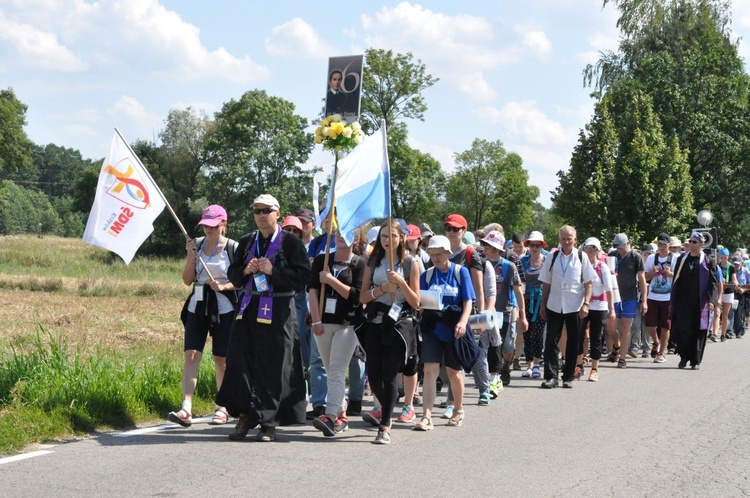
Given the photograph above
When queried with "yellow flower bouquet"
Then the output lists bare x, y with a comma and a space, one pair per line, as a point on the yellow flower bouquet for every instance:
338, 135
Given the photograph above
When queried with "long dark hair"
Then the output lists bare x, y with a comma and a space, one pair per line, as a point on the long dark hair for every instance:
378, 252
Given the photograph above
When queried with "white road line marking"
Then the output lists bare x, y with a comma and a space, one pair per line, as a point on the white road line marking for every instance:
24, 456
138, 432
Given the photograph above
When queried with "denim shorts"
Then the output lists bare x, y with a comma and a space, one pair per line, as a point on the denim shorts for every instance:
626, 309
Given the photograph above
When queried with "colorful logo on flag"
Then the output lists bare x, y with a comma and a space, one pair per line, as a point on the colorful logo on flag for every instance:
128, 186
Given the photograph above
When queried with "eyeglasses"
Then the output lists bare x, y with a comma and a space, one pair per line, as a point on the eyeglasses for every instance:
535, 246
451, 228
263, 211
384, 236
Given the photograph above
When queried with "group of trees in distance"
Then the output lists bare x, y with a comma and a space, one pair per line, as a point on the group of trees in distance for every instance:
668, 137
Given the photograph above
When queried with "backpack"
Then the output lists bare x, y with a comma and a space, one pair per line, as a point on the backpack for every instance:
456, 274
230, 247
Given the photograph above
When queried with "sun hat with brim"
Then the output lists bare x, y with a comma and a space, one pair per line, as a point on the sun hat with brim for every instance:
439, 242
535, 237
592, 241
426, 230
267, 200
495, 239
213, 216
675, 242
292, 221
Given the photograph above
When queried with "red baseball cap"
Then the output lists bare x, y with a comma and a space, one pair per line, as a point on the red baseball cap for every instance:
414, 232
456, 220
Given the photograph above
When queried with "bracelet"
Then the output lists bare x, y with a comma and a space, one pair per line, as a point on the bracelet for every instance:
316, 323
372, 293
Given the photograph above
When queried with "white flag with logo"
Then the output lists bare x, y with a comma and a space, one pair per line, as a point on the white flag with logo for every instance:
127, 203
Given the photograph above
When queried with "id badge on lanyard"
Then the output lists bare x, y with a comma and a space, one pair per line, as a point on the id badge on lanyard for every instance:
395, 311
199, 292
260, 282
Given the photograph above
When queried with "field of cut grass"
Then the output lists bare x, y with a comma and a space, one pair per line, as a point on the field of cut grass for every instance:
87, 343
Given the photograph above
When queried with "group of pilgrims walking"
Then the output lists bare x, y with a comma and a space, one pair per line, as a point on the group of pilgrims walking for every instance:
290, 315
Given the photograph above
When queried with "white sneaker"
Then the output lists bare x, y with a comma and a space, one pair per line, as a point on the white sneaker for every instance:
448, 412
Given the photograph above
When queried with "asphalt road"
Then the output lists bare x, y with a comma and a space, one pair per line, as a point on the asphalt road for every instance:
649, 430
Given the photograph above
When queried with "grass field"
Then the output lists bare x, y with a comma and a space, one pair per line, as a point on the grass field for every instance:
86, 342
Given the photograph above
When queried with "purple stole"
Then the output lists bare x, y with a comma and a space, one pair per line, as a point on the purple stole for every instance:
265, 304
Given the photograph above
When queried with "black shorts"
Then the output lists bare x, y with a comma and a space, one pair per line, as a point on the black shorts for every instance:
196, 333
411, 367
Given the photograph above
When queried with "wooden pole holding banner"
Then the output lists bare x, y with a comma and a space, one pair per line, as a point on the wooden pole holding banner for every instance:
166, 202
331, 215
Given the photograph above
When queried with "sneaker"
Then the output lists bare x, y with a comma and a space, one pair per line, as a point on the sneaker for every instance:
724, 338
645, 354
712, 336
316, 412
632, 353
535, 372
448, 412
579, 372
660, 359
654, 350
505, 376
325, 425
671, 350
383, 437
730, 335
612, 356
567, 384
495, 388
372, 417
443, 404
416, 400
266, 434
621, 363
549, 384
516, 364
354, 408
484, 398
527, 373
341, 425
594, 376
407, 415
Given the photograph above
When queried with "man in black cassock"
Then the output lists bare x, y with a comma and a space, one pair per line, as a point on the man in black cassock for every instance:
264, 380
693, 296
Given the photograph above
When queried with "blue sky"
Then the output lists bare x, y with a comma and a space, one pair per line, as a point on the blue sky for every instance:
509, 70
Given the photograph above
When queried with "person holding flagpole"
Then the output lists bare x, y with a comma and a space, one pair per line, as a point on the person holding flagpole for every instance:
210, 307
391, 293
264, 382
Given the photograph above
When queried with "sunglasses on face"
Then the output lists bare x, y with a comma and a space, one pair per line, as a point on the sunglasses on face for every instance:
695, 242
535, 246
263, 211
590, 248
450, 228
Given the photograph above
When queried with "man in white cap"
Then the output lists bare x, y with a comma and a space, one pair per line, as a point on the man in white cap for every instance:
264, 382
631, 280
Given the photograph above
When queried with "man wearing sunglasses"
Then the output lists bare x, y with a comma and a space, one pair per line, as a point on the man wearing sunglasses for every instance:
264, 382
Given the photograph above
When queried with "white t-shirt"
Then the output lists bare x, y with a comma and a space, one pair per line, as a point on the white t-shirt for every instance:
660, 287
566, 285
601, 285
217, 264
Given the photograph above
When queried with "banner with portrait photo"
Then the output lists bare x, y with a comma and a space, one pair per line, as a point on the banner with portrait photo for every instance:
344, 85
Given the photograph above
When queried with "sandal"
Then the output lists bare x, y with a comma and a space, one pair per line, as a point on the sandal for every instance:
220, 416
621, 363
425, 424
612, 356
527, 373
535, 372
181, 417
457, 419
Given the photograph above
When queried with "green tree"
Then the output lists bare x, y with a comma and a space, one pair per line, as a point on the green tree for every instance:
15, 146
258, 146
25, 210
392, 87
680, 53
490, 185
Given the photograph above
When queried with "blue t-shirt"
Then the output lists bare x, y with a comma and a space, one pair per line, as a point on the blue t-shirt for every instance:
318, 245
453, 293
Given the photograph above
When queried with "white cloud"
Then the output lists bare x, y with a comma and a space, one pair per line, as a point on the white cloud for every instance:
297, 38
41, 49
525, 121
476, 87
130, 34
538, 43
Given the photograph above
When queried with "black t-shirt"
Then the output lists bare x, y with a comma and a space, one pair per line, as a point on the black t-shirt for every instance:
348, 273
627, 269
726, 275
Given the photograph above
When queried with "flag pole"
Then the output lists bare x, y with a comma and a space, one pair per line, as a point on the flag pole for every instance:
331, 216
166, 202
389, 255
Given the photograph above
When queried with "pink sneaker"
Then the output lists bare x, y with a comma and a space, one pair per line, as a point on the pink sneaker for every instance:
372, 417
407, 415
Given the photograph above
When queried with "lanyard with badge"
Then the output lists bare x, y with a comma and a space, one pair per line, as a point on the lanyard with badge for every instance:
330, 306
198, 286
567, 259
396, 308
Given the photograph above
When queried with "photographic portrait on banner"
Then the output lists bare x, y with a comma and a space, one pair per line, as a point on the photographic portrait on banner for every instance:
343, 86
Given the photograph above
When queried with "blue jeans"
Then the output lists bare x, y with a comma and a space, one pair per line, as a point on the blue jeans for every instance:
356, 379
300, 301
318, 377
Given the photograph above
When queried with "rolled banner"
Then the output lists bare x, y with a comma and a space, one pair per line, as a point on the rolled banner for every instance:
611, 262
484, 320
431, 299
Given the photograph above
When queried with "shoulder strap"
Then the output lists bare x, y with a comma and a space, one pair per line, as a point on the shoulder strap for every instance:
554, 257
457, 273
407, 267
230, 247
469, 254
428, 274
